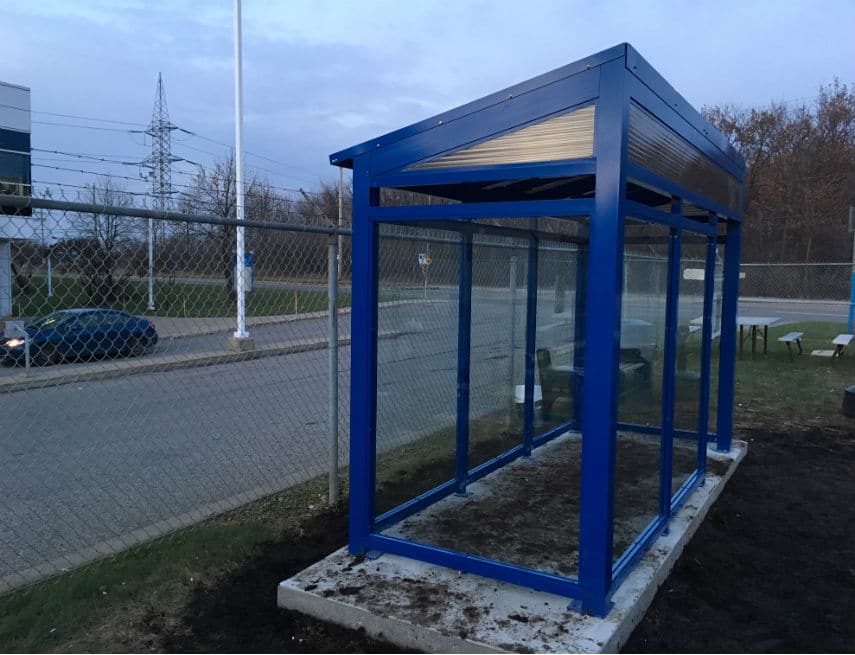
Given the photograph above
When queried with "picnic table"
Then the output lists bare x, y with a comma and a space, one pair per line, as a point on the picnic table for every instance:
753, 323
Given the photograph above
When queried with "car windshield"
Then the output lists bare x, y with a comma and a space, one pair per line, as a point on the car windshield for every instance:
51, 320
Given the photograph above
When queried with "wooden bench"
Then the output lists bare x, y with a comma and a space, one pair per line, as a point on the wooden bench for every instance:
789, 339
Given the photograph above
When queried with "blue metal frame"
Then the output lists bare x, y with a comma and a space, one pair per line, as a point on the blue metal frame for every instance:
363, 388
536, 208
612, 79
464, 333
602, 343
669, 367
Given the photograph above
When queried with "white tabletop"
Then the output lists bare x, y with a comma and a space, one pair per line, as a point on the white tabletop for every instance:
760, 321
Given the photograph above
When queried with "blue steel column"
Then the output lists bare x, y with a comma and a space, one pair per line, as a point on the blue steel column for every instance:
464, 333
706, 354
727, 348
602, 342
669, 367
363, 379
530, 345
579, 335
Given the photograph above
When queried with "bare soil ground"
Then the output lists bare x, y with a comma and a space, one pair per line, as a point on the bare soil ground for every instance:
772, 569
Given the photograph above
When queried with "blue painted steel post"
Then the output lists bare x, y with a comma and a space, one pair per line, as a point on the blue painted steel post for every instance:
669, 367
530, 345
851, 322
579, 335
363, 385
851, 300
602, 341
706, 353
464, 333
727, 345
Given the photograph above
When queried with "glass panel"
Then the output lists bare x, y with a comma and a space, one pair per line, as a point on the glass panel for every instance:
14, 173
640, 380
554, 340
497, 346
716, 338
416, 361
527, 512
687, 376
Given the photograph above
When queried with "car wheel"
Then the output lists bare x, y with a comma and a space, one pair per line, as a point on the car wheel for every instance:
46, 355
137, 346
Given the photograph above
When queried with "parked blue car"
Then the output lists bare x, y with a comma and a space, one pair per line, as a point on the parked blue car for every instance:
73, 334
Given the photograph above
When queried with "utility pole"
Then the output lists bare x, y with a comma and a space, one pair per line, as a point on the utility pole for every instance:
340, 216
160, 164
240, 340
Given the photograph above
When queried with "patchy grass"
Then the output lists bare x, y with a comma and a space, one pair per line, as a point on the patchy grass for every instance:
173, 299
807, 387
83, 610
63, 610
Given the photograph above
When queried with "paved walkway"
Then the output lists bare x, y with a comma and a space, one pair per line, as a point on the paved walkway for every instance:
169, 327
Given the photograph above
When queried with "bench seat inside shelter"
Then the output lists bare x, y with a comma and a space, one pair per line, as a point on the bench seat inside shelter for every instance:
556, 381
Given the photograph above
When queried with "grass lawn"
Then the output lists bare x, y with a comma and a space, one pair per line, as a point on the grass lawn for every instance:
807, 387
56, 614
181, 300
52, 614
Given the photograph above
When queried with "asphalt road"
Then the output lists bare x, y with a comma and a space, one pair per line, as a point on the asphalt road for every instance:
101, 464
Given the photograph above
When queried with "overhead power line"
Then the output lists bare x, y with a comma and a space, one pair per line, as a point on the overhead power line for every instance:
84, 127
174, 184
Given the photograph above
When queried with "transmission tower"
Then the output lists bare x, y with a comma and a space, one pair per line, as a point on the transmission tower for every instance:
159, 164
161, 159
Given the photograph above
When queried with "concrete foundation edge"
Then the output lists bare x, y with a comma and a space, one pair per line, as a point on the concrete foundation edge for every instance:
638, 608
386, 628
608, 635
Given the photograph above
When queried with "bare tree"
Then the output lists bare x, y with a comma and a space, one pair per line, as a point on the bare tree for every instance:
103, 239
800, 172
213, 192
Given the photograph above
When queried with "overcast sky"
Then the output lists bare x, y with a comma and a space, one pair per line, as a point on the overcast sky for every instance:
320, 76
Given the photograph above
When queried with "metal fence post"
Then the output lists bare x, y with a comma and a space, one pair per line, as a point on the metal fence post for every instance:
332, 330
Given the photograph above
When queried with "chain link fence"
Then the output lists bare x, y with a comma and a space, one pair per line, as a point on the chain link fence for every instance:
127, 414
798, 281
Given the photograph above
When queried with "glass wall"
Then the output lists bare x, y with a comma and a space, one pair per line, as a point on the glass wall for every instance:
417, 318
555, 344
497, 352
687, 376
643, 314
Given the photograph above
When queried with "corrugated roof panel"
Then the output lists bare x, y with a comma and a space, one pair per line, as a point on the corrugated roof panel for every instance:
568, 136
655, 147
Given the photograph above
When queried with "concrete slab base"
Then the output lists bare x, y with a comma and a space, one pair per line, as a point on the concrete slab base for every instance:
241, 344
435, 609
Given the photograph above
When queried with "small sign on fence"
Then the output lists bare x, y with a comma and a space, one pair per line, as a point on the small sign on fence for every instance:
12, 329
